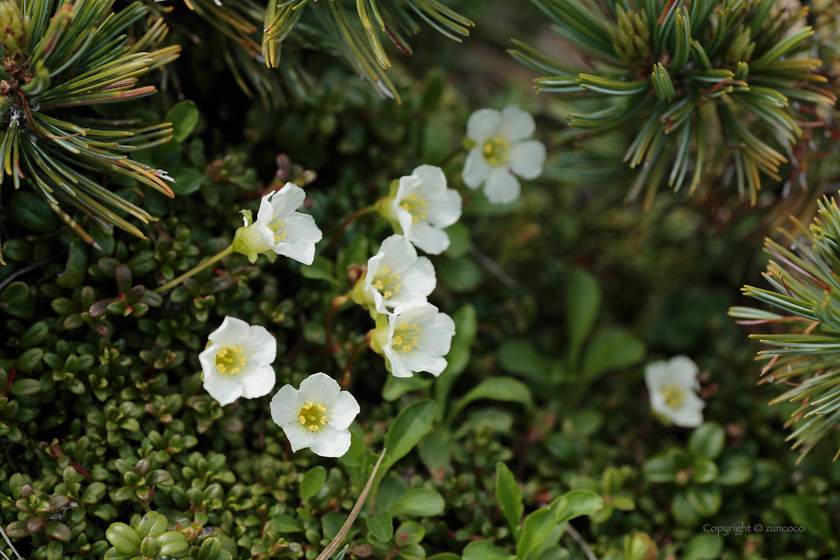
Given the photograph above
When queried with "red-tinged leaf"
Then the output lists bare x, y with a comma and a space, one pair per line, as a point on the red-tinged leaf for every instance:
35, 524
58, 502
233, 425
58, 531
123, 276
17, 530
100, 308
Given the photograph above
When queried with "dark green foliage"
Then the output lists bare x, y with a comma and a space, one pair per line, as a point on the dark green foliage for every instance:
720, 87
58, 60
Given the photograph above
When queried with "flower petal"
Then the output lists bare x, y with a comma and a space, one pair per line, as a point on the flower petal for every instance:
476, 169
258, 346
419, 278
431, 180
342, 411
517, 124
319, 388
527, 158
437, 335
224, 388
445, 208
690, 414
299, 437
399, 255
398, 365
483, 124
285, 406
284, 201
303, 253
207, 358
257, 381
300, 228
683, 372
657, 375
416, 360
431, 239
502, 187
230, 332
330, 442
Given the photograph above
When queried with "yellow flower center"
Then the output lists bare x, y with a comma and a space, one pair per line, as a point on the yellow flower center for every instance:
312, 416
385, 283
416, 207
674, 395
405, 337
275, 225
230, 360
496, 150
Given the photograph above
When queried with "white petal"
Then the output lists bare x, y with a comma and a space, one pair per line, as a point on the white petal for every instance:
207, 358
431, 239
445, 209
258, 346
286, 200
223, 388
689, 415
657, 375
683, 372
501, 187
437, 335
483, 124
398, 365
406, 222
517, 124
431, 180
299, 437
330, 442
408, 183
303, 253
399, 255
231, 331
415, 360
319, 388
285, 406
300, 228
342, 411
257, 381
419, 278
476, 169
527, 158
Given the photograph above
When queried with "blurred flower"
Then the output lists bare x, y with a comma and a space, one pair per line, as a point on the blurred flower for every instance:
317, 415
423, 206
395, 277
279, 229
415, 338
237, 361
502, 150
672, 387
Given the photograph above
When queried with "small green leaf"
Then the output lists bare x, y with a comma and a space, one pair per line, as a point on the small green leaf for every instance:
32, 212
286, 524
484, 550
509, 496
611, 349
520, 356
184, 117
15, 293
703, 547
583, 300
381, 526
735, 470
408, 428
76, 269
537, 527
505, 389
419, 502
320, 269
705, 500
805, 511
26, 387
30, 359
123, 538
312, 482
707, 441
459, 240
579, 503
187, 180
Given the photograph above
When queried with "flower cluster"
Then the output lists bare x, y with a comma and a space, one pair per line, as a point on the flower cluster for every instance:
410, 333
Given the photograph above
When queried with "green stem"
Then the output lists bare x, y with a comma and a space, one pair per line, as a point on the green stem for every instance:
195, 270
347, 221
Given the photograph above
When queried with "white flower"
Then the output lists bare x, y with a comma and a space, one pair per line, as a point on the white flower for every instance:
423, 206
418, 338
279, 228
237, 361
316, 416
672, 387
396, 276
501, 151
